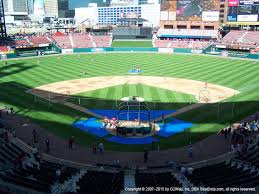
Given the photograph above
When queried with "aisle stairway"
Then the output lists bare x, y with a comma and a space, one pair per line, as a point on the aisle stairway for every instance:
129, 182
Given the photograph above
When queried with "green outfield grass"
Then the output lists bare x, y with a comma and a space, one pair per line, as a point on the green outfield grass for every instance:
147, 43
24, 74
106, 98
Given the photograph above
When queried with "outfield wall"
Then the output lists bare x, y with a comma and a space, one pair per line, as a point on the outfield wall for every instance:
144, 49
163, 50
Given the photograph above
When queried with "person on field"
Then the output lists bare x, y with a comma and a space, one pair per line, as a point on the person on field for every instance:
94, 148
34, 134
190, 151
47, 145
101, 148
145, 155
71, 141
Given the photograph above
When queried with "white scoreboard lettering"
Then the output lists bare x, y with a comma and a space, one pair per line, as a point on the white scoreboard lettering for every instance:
210, 16
247, 18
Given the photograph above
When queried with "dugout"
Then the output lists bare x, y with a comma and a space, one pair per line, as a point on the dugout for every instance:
36, 51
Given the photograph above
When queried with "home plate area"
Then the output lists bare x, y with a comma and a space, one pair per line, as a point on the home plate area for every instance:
94, 126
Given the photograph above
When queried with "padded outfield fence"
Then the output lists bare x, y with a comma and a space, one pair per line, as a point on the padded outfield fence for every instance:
210, 51
159, 50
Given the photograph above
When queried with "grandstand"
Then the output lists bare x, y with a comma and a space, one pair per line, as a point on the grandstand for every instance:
193, 44
81, 41
39, 40
63, 41
242, 38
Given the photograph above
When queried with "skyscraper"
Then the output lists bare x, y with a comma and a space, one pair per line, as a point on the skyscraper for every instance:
30, 4
63, 9
51, 8
15, 10
2, 21
66, 8
20, 6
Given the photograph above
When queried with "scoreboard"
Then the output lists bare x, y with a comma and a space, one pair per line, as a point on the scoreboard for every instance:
243, 11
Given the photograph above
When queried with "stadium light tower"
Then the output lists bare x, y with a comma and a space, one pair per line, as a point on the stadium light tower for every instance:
2, 21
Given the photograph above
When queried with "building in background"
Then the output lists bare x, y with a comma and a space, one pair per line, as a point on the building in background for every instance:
66, 8
51, 8
30, 4
63, 9
112, 15
2, 21
16, 11
87, 15
20, 6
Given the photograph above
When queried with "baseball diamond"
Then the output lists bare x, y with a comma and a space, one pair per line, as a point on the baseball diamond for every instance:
174, 76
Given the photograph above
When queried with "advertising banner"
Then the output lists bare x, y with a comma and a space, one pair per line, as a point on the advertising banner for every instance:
221, 46
232, 18
172, 15
165, 50
43, 45
210, 16
196, 51
248, 2
164, 15
247, 18
67, 51
97, 50
232, 3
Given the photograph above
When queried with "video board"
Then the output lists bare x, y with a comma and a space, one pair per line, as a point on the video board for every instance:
190, 10
248, 2
243, 11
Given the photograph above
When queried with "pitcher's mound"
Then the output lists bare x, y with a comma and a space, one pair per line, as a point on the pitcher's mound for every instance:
133, 98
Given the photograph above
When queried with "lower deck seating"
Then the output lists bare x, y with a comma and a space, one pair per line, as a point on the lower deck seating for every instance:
98, 182
102, 41
21, 180
251, 156
191, 44
156, 180
19, 168
223, 175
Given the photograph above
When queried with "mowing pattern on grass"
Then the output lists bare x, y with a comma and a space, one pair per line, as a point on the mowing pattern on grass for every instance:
106, 97
241, 75
149, 93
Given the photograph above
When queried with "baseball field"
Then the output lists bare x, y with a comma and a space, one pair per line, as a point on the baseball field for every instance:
237, 78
